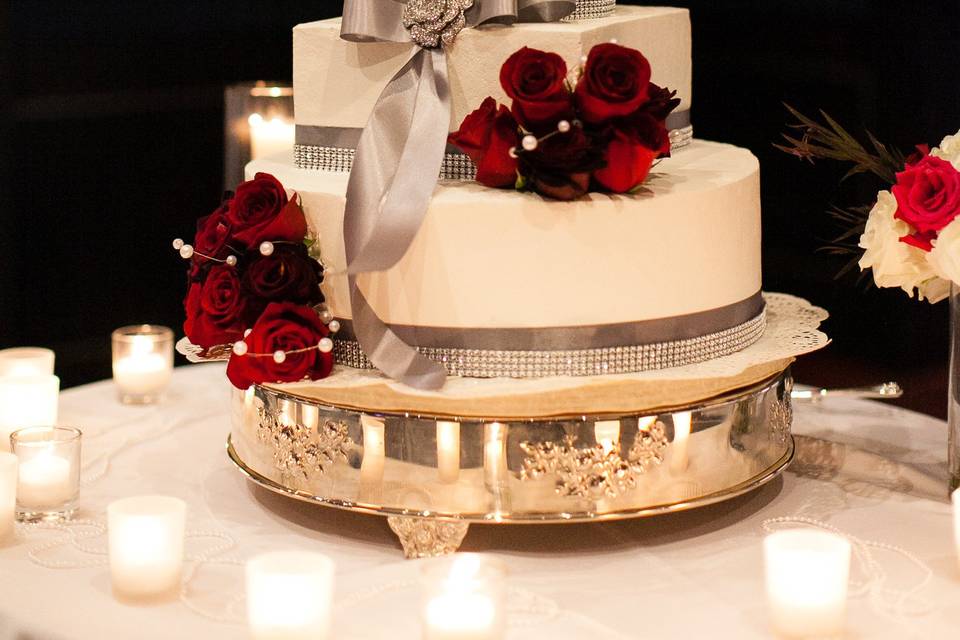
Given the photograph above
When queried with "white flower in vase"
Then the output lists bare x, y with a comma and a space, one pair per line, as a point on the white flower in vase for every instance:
949, 150
895, 263
945, 255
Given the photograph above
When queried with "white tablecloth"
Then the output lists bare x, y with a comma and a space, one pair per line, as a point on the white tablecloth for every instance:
694, 574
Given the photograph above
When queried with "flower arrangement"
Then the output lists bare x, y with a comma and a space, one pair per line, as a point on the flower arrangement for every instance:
600, 127
910, 237
253, 287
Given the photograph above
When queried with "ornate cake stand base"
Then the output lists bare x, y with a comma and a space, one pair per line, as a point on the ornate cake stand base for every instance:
432, 476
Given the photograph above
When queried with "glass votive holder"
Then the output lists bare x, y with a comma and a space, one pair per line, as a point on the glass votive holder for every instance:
142, 362
27, 401
145, 539
48, 475
8, 494
463, 596
807, 575
26, 361
289, 596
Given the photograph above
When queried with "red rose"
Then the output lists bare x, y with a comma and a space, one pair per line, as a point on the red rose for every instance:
289, 274
615, 83
260, 211
634, 143
536, 81
215, 309
212, 239
561, 165
487, 135
928, 197
282, 327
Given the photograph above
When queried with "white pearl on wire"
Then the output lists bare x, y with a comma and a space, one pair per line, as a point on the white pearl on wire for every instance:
231, 261
186, 252
530, 143
266, 248
563, 126
240, 348
247, 332
334, 326
326, 345
325, 316
583, 59
512, 152
614, 41
178, 243
279, 357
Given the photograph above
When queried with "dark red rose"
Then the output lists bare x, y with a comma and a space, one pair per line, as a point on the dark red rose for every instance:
286, 327
289, 274
261, 211
661, 102
536, 81
632, 146
211, 241
486, 136
215, 309
928, 197
615, 83
561, 165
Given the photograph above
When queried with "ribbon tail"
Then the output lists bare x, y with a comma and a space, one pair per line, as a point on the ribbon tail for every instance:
394, 175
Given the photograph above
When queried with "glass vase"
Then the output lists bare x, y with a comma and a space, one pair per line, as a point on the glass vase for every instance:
953, 408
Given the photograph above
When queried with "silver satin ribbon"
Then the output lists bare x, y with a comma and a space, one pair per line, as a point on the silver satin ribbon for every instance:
397, 162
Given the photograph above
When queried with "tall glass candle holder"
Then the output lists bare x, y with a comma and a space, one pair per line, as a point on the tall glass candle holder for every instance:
258, 122
48, 476
26, 361
807, 576
142, 362
289, 596
463, 597
8, 494
27, 401
146, 538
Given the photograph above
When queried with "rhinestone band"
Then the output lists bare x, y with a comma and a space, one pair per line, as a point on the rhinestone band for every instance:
456, 166
475, 363
590, 9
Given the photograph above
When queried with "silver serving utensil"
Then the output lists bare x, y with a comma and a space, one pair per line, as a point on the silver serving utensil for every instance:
885, 391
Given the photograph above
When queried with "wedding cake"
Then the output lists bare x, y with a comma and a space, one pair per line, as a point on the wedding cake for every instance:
495, 282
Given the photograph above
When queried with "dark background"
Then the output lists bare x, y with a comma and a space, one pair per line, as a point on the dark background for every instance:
111, 137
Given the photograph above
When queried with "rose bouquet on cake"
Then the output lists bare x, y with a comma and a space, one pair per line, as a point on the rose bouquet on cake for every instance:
600, 127
253, 288
910, 236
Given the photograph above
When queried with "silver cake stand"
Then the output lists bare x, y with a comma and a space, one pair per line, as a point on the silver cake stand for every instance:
433, 476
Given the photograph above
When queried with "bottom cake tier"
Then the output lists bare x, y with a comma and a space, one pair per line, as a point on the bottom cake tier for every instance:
433, 477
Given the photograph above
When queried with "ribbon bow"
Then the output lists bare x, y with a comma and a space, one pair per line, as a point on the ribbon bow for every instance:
401, 151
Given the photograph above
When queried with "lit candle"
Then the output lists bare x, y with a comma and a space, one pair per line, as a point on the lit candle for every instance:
45, 482
8, 494
289, 596
146, 546
269, 137
27, 401
679, 458
448, 451
607, 434
463, 599
807, 573
374, 450
26, 361
48, 478
142, 362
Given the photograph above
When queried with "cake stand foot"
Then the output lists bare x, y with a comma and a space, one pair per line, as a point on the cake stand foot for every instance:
428, 538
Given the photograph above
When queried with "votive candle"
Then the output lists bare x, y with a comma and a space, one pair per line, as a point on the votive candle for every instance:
289, 595
807, 574
270, 137
448, 451
463, 598
146, 537
26, 361
8, 494
48, 475
27, 401
142, 362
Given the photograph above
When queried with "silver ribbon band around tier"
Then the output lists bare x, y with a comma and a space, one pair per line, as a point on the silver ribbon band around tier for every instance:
576, 351
334, 148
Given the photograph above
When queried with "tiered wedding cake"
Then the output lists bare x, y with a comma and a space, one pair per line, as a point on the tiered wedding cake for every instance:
509, 283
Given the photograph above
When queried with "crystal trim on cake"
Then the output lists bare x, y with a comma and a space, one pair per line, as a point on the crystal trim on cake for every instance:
591, 9
456, 166
478, 363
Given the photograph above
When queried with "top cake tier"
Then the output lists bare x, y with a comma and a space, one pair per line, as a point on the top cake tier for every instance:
337, 83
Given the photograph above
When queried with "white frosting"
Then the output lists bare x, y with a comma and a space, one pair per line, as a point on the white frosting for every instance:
337, 83
498, 258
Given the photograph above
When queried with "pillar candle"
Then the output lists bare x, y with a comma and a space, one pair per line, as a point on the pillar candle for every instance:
146, 536
27, 401
289, 596
26, 361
